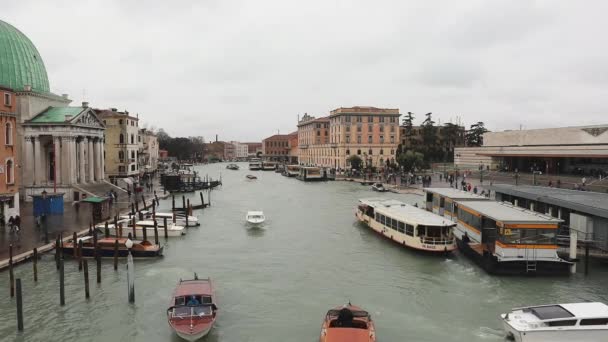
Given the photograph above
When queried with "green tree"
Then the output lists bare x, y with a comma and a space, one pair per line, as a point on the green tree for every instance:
408, 123
474, 136
429, 131
410, 160
355, 162
450, 138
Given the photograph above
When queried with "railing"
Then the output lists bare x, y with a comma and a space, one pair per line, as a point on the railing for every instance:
436, 241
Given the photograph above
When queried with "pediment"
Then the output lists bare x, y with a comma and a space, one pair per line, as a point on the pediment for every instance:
595, 131
87, 118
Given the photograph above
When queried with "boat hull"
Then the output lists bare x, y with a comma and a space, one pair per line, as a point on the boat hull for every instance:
194, 336
491, 264
149, 231
403, 239
586, 335
89, 252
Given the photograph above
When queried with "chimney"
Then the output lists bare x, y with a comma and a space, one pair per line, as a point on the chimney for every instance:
216, 138
85, 104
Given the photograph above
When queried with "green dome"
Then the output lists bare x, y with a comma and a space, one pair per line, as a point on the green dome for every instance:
20, 62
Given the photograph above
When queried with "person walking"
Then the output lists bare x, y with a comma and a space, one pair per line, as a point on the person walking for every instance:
475, 190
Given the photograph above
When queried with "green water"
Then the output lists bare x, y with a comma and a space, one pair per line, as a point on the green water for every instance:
275, 284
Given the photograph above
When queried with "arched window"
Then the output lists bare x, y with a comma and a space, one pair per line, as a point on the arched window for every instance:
8, 134
132, 139
381, 151
120, 122
132, 154
359, 152
10, 173
122, 138
370, 152
121, 156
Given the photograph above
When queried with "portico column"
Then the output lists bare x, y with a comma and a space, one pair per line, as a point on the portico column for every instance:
74, 160
57, 159
66, 160
38, 169
81, 156
103, 159
28, 162
91, 177
96, 158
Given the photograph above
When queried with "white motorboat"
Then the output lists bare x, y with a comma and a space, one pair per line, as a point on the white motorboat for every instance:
580, 322
180, 219
379, 187
127, 227
255, 217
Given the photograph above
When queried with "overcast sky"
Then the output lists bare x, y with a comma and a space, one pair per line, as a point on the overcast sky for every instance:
246, 69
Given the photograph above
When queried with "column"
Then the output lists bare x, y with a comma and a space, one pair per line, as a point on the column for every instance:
74, 160
66, 160
38, 168
82, 173
57, 159
91, 177
28, 161
102, 158
96, 159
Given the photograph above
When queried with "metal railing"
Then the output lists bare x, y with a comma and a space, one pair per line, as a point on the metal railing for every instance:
436, 241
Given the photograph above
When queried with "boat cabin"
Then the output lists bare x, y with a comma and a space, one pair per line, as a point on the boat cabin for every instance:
311, 173
346, 318
441, 200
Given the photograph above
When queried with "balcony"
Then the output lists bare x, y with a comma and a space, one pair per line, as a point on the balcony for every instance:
333, 145
304, 146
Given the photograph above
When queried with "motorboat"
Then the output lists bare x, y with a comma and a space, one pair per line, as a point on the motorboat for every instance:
232, 167
580, 322
269, 166
193, 309
140, 249
255, 217
348, 323
379, 187
255, 164
173, 230
180, 218
251, 177
291, 171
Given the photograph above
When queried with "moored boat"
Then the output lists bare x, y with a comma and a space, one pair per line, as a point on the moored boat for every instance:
407, 225
255, 164
348, 323
311, 174
291, 170
173, 230
180, 218
140, 249
269, 166
193, 308
379, 187
580, 322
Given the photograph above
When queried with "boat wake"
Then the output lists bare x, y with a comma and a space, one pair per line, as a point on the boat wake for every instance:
491, 334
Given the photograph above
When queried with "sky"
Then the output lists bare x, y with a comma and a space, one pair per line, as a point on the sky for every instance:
245, 70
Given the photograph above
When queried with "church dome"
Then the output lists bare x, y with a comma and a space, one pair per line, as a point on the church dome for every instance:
20, 62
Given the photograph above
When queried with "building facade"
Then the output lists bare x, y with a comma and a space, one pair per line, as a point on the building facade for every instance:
253, 149
215, 151
369, 132
566, 150
276, 147
240, 150
121, 145
9, 178
148, 151
294, 150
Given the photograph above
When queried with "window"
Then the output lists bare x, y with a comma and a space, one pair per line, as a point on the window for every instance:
120, 122
359, 128
132, 154
121, 168
10, 173
401, 227
409, 229
564, 323
381, 151
382, 139
358, 139
359, 119
347, 152
392, 139
359, 152
348, 128
381, 128
7, 99
132, 139
139, 138
133, 167
121, 156
594, 321
318, 133
8, 134
121, 138
392, 152
381, 119
348, 139
370, 119
347, 118
370, 128
369, 139
370, 152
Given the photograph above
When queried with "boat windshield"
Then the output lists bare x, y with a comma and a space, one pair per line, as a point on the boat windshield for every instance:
356, 313
196, 311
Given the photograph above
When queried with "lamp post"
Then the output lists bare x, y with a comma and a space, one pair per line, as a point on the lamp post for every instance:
130, 270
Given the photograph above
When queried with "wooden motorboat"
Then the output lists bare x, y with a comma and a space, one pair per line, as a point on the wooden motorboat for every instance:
379, 187
255, 217
192, 309
180, 218
580, 322
140, 249
348, 323
232, 167
173, 230
251, 177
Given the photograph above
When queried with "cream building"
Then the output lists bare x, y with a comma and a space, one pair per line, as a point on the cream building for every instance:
147, 151
121, 145
241, 150
369, 132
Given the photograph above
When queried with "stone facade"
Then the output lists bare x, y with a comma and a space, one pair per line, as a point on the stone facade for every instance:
276, 147
313, 141
253, 148
148, 154
121, 144
241, 150
9, 178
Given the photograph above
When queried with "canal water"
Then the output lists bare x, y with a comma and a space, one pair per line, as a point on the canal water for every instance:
276, 283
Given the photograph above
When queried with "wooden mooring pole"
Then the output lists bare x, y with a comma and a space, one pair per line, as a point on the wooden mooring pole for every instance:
57, 251
80, 255
183, 202
19, 306
144, 231
165, 226
155, 232
107, 230
116, 255
133, 225
143, 201
10, 270
35, 264
202, 199
98, 259
172, 202
85, 264
61, 284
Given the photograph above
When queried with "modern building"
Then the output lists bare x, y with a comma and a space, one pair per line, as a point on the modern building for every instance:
121, 144
369, 132
60, 147
9, 179
148, 151
566, 150
276, 147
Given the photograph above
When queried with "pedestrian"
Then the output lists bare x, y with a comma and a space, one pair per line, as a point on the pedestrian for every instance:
11, 223
469, 187
584, 180
17, 223
475, 190
440, 177
550, 184
558, 183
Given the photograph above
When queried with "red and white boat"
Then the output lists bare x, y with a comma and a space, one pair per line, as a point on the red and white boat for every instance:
348, 323
193, 309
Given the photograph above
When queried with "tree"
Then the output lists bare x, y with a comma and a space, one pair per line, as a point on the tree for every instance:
474, 136
408, 123
410, 160
163, 139
450, 136
355, 162
429, 134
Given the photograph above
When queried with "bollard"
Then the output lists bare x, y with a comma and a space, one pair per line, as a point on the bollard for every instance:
184, 202
98, 259
165, 226
107, 230
116, 255
10, 267
133, 226
86, 279
80, 255
155, 232
144, 231
172, 202
35, 264
61, 284
19, 306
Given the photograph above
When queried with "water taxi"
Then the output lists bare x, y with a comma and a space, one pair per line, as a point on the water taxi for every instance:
348, 323
232, 167
379, 187
580, 322
269, 166
180, 218
407, 225
255, 164
192, 309
504, 239
291, 170
441, 200
311, 174
255, 218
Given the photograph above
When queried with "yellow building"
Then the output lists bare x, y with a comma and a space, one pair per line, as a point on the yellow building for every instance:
121, 145
369, 132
